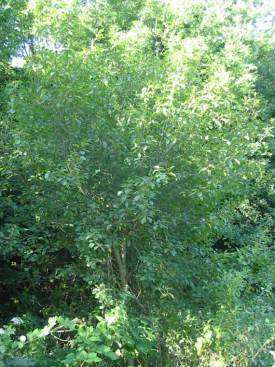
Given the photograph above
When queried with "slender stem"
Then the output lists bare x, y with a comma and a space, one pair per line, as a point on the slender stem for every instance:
121, 262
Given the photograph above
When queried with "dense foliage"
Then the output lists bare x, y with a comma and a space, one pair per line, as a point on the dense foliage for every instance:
136, 184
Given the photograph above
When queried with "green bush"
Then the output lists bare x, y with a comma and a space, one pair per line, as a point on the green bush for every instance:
136, 184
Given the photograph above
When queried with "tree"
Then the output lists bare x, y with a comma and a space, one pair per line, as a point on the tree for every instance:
139, 135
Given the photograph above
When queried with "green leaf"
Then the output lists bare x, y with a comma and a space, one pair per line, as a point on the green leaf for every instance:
92, 357
111, 355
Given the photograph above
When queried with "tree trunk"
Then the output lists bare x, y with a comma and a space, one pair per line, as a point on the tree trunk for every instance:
120, 255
